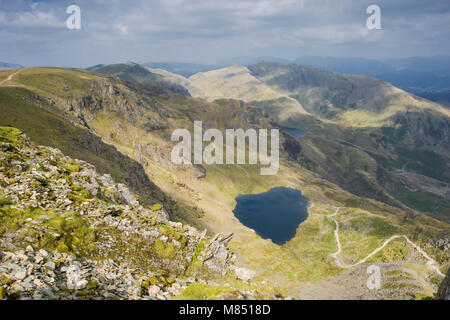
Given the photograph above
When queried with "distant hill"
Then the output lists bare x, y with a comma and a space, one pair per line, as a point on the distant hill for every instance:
248, 60
363, 66
285, 90
133, 72
189, 69
6, 65
350, 99
237, 82
184, 69
427, 77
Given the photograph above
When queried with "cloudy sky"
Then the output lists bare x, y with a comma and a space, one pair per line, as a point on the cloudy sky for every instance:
212, 32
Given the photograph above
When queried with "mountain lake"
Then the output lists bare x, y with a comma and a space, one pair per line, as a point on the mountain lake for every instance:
275, 214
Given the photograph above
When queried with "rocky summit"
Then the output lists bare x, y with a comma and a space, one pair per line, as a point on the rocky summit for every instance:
67, 232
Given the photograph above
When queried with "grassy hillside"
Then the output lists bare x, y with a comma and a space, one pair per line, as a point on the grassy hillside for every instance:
45, 126
350, 100
389, 164
237, 82
133, 72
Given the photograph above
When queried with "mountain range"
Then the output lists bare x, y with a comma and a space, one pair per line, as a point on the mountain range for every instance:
378, 153
426, 77
5, 65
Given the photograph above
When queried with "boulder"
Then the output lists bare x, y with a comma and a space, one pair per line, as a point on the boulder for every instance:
126, 196
244, 274
444, 289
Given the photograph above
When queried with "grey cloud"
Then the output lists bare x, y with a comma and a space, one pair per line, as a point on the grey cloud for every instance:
207, 31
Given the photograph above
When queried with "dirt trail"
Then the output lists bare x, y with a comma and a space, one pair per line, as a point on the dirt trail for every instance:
12, 75
431, 263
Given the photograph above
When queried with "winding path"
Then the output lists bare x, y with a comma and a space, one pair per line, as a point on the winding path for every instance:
10, 77
431, 263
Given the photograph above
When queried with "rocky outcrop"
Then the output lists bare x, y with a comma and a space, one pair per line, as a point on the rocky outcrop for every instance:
67, 232
244, 274
216, 256
444, 289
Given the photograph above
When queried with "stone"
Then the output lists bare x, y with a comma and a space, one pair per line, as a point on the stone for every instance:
27, 284
92, 186
37, 296
175, 289
444, 289
38, 259
153, 290
38, 282
47, 292
125, 195
17, 288
82, 284
73, 276
50, 265
21, 274
244, 274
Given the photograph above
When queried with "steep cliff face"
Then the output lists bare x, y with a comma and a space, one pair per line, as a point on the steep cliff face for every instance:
68, 232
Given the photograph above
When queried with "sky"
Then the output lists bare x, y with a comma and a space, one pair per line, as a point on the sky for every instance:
214, 32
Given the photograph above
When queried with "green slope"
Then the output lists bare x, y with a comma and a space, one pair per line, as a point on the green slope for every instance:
133, 72
350, 100
48, 128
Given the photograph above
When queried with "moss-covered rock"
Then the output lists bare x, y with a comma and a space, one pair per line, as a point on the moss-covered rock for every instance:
156, 207
164, 250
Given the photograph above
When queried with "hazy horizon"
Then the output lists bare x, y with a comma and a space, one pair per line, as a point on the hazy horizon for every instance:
224, 63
